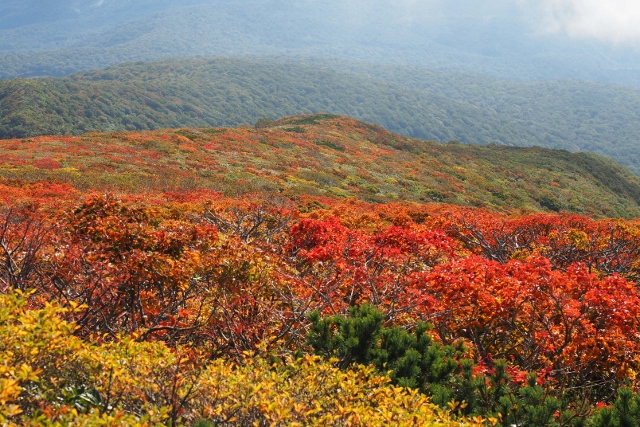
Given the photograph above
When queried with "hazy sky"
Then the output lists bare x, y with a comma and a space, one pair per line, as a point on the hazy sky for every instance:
616, 21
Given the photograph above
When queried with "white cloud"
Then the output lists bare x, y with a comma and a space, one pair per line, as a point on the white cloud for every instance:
616, 21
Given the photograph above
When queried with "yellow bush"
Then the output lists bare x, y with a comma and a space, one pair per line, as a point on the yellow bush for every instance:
48, 377
310, 392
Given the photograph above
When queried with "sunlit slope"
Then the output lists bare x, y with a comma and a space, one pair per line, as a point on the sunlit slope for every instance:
326, 155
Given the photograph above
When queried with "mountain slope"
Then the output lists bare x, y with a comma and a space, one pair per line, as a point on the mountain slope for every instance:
327, 155
571, 115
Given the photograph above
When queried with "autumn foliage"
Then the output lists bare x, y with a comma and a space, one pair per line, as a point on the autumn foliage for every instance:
151, 307
226, 276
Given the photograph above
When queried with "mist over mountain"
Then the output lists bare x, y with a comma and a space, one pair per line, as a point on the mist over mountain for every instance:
521, 40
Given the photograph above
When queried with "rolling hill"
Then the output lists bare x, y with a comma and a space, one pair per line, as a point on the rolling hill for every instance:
325, 156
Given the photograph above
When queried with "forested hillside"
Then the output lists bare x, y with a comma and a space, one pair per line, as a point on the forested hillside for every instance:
571, 115
217, 92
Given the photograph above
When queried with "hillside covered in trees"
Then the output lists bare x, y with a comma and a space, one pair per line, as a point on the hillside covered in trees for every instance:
570, 115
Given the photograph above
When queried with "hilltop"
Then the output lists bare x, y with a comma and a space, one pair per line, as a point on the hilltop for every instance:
325, 155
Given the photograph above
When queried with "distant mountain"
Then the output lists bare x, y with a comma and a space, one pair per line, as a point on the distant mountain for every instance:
571, 115
50, 14
61, 37
326, 155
